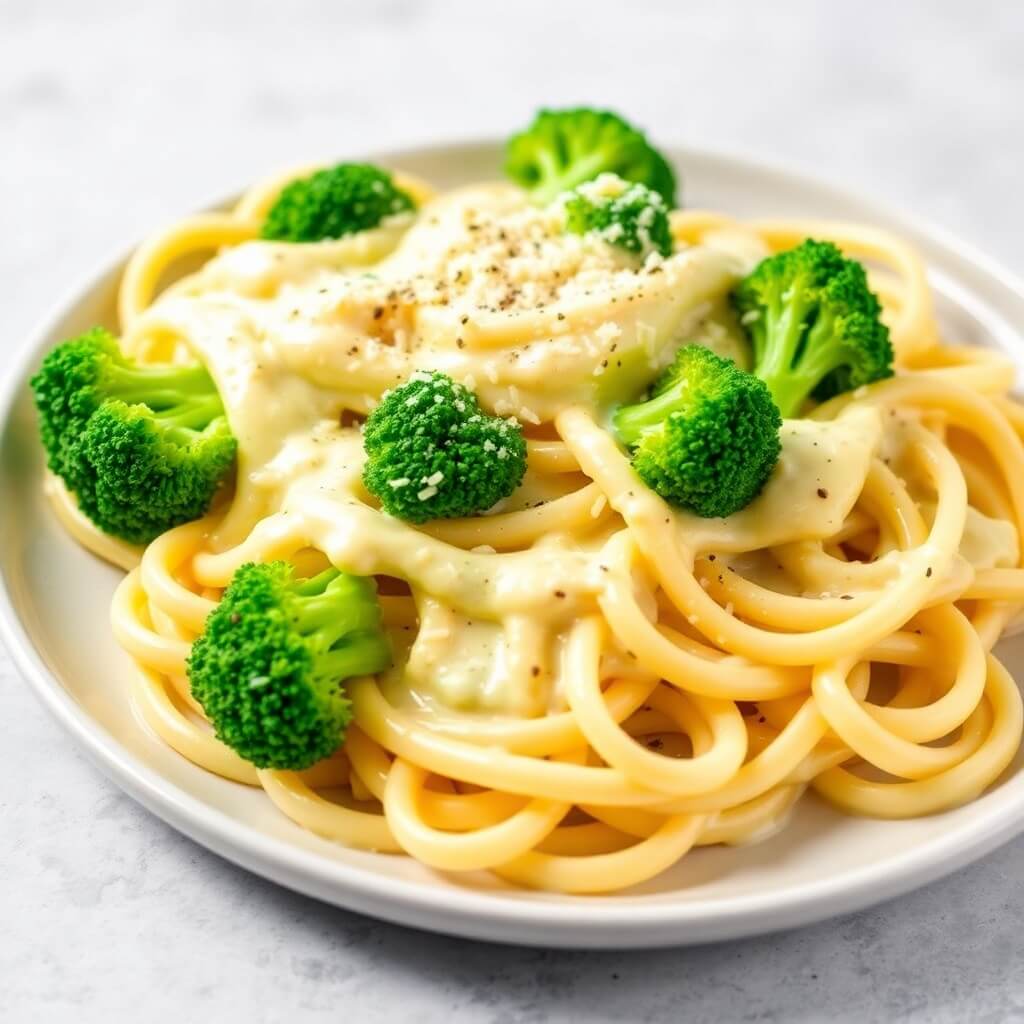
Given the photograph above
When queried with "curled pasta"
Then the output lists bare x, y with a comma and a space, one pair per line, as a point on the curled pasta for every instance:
700, 691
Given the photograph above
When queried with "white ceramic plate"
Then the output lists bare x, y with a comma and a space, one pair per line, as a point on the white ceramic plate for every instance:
822, 864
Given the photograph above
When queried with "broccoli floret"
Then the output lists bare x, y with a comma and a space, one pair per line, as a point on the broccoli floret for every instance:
269, 666
433, 454
814, 324
708, 437
630, 216
143, 448
153, 470
335, 202
564, 148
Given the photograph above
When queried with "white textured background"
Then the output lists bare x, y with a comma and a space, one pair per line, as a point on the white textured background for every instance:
117, 116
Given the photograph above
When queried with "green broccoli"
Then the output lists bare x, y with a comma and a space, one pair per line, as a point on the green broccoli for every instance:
707, 438
335, 202
269, 665
153, 470
143, 448
630, 216
433, 454
814, 324
564, 148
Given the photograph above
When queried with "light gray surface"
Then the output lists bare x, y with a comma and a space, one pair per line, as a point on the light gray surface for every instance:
117, 116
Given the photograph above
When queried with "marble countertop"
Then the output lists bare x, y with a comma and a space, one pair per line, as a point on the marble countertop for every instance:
115, 116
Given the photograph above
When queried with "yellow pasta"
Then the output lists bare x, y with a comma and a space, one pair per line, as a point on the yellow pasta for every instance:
589, 682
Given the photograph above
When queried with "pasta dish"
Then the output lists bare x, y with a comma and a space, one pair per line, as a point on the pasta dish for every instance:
547, 526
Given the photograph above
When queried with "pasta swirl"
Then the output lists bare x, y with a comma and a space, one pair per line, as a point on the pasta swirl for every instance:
663, 682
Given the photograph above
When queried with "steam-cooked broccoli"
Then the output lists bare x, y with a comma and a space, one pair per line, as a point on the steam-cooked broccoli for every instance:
269, 666
630, 216
335, 202
814, 324
564, 148
143, 448
432, 453
707, 438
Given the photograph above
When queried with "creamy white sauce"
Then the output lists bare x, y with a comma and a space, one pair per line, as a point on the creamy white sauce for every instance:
811, 491
490, 290
986, 543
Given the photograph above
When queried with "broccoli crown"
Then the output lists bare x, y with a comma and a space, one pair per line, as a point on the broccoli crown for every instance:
142, 447
814, 324
564, 148
335, 202
153, 470
269, 664
68, 390
630, 216
708, 438
432, 453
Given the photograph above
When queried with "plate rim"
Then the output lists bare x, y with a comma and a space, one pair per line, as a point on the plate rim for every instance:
573, 921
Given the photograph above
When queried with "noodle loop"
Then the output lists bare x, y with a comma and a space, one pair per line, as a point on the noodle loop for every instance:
588, 682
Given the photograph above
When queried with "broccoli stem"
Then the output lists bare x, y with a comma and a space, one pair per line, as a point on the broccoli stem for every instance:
557, 180
193, 414
360, 656
324, 606
822, 352
159, 387
634, 420
778, 365
315, 585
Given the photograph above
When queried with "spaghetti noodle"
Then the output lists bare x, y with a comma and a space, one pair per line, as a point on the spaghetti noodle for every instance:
589, 683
